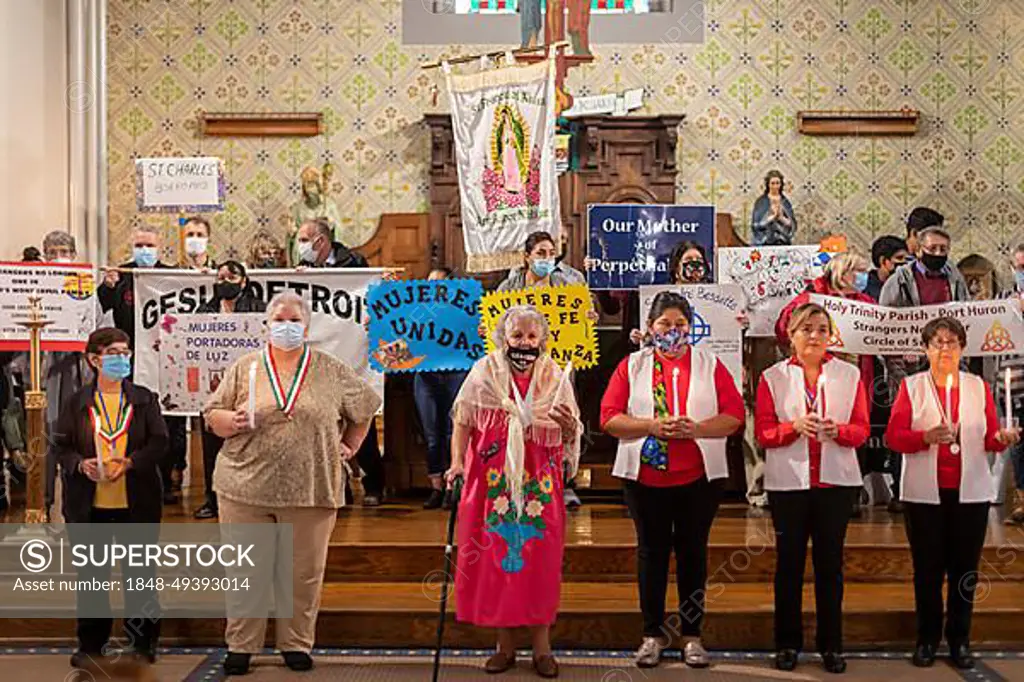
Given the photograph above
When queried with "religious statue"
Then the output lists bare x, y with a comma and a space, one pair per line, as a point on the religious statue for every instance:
773, 222
555, 24
529, 22
315, 203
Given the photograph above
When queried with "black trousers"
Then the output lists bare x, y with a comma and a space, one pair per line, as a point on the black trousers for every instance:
212, 444
820, 515
666, 519
177, 447
369, 460
946, 540
141, 606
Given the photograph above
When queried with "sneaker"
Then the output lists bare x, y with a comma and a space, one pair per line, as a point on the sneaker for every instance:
371, 500
206, 512
695, 655
435, 500
895, 507
649, 653
572, 500
1016, 517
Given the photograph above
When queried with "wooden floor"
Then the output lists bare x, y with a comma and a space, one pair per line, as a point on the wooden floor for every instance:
384, 573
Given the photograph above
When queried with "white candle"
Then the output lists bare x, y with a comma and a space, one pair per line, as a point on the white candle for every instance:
252, 396
675, 391
949, 400
819, 404
1006, 394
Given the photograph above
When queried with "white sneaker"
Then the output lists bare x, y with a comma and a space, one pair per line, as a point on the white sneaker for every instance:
695, 655
649, 653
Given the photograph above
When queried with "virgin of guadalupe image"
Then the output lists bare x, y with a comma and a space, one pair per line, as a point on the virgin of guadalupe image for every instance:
511, 153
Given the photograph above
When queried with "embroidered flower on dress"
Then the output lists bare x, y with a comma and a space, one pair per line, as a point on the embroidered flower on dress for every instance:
501, 505
493, 477
546, 484
534, 508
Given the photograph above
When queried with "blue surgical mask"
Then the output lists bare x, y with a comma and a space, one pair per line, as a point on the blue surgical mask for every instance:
860, 281
1018, 277
145, 256
672, 342
287, 335
542, 267
116, 367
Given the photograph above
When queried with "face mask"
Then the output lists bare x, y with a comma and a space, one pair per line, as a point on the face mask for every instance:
670, 342
266, 263
62, 260
116, 367
1018, 277
522, 358
287, 335
145, 256
860, 281
542, 267
694, 271
932, 262
306, 252
195, 246
227, 291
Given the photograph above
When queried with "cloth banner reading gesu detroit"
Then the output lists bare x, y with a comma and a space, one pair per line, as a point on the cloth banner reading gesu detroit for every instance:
504, 128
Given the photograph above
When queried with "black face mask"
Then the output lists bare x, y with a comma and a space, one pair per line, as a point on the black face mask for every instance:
227, 291
932, 262
522, 358
694, 271
266, 263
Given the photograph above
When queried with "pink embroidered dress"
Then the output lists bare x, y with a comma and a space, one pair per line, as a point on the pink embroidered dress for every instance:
511, 528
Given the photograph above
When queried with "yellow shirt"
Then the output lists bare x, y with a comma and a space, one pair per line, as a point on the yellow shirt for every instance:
110, 495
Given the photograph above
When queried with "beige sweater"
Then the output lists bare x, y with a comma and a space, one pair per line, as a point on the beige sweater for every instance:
290, 462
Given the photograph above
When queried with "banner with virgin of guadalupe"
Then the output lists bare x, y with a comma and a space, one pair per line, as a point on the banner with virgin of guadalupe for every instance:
504, 128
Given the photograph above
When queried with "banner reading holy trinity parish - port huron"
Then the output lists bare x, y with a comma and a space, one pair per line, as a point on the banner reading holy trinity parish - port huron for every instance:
503, 122
67, 293
425, 326
337, 297
993, 327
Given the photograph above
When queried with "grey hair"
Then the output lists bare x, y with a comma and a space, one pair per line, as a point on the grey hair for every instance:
59, 238
147, 228
513, 316
322, 226
286, 298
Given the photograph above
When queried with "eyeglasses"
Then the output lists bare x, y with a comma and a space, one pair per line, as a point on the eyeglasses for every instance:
122, 353
939, 344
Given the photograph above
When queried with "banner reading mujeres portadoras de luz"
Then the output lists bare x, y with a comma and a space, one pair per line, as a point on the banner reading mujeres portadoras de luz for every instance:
503, 121
337, 297
630, 244
425, 326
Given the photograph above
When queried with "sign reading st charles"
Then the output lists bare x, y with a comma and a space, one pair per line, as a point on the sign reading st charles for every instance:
629, 245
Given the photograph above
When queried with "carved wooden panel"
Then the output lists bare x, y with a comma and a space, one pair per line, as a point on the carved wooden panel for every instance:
402, 240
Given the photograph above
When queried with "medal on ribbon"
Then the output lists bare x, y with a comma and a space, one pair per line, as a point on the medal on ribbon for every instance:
286, 401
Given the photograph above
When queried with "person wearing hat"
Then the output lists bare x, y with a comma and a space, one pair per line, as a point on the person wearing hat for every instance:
928, 280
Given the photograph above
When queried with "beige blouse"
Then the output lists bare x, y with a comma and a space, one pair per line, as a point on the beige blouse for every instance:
290, 462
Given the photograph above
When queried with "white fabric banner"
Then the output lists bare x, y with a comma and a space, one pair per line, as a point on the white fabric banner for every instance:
714, 326
993, 327
503, 121
67, 293
337, 296
770, 277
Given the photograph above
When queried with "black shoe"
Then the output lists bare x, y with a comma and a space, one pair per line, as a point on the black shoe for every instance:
85, 659
298, 661
435, 500
961, 656
448, 500
786, 659
170, 497
924, 656
236, 664
833, 662
895, 507
206, 512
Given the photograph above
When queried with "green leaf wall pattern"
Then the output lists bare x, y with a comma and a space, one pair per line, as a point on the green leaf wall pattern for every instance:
960, 62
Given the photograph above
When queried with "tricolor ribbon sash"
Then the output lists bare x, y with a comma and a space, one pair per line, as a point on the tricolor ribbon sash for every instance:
107, 431
286, 402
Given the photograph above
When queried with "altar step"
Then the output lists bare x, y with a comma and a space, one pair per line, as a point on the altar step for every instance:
594, 616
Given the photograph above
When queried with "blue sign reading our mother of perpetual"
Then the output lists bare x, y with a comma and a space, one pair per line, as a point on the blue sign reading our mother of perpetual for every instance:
630, 244
423, 326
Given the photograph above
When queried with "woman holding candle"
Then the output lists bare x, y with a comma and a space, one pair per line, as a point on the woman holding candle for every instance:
944, 422
811, 415
288, 428
671, 407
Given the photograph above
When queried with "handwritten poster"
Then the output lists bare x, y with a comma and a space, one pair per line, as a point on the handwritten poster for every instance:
714, 325
196, 351
192, 184
424, 326
630, 244
993, 327
572, 336
770, 277
68, 300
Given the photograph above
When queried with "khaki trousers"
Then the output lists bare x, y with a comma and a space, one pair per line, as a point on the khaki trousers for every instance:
311, 533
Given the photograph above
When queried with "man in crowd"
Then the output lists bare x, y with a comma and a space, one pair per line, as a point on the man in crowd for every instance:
920, 218
929, 280
1015, 363
316, 249
887, 253
117, 294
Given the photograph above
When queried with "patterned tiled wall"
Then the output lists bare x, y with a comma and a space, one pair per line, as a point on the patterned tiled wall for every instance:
961, 62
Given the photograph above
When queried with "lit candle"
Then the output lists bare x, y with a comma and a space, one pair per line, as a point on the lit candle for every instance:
675, 391
252, 396
819, 404
1006, 394
949, 400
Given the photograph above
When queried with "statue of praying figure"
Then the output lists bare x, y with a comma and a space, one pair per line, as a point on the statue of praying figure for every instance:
315, 204
530, 22
578, 24
773, 222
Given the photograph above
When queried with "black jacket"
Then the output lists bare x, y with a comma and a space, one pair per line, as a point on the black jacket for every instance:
345, 257
121, 298
246, 303
147, 445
